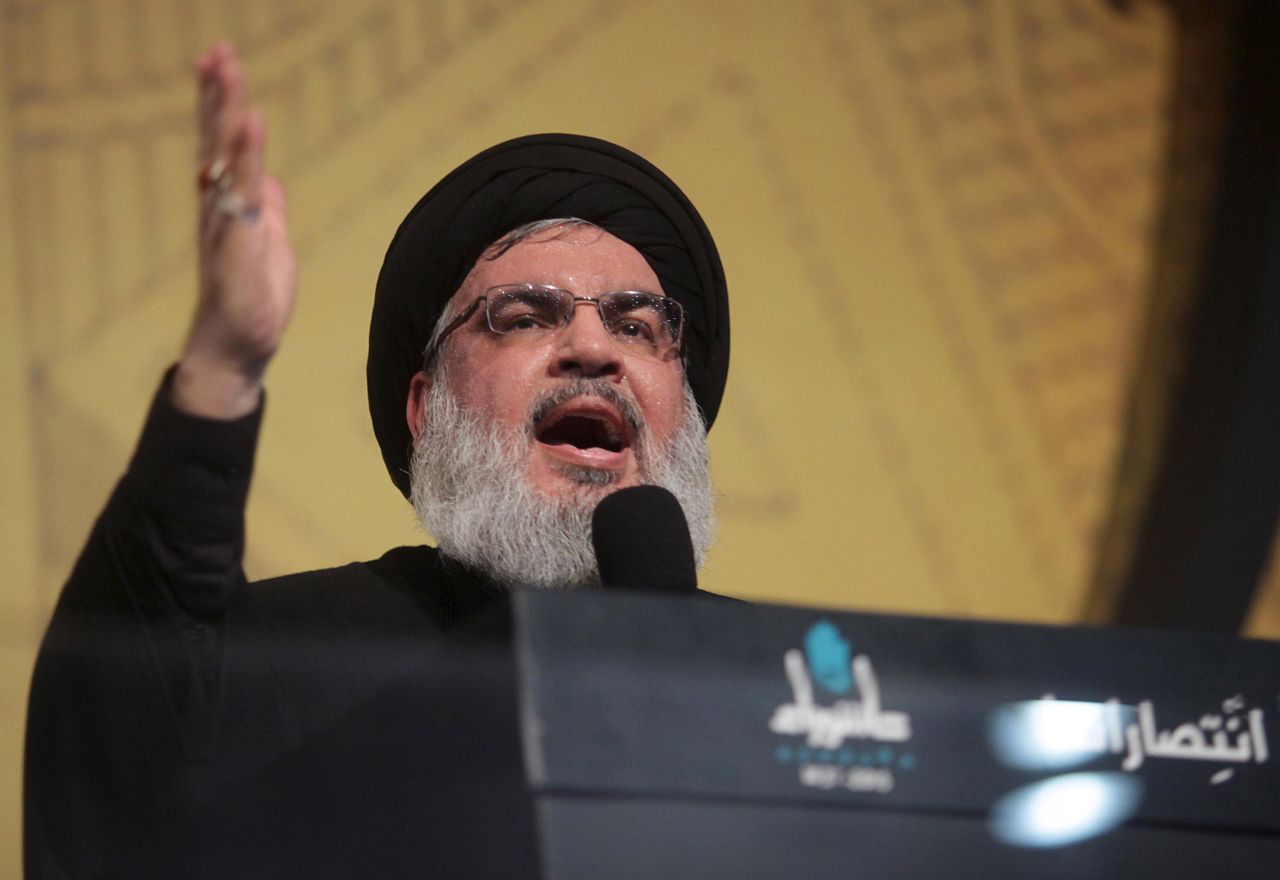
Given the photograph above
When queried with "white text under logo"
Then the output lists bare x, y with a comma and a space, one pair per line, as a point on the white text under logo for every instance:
850, 741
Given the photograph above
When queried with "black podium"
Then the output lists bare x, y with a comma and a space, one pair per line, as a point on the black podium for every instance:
686, 737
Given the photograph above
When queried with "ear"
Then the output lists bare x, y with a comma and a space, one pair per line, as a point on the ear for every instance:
419, 385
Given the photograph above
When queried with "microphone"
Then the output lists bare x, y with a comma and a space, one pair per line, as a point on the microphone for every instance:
642, 541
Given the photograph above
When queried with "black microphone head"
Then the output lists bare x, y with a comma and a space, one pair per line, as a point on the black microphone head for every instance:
642, 541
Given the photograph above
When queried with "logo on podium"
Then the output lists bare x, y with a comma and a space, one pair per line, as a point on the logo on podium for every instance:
839, 734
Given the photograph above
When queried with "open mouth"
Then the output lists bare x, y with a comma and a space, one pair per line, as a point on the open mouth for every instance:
584, 425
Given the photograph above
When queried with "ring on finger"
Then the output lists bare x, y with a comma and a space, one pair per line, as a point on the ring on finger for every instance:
215, 174
235, 206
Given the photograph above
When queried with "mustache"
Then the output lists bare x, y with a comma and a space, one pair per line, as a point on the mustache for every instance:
545, 402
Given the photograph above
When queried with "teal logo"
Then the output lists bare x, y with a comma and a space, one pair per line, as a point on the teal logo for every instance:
844, 737
829, 656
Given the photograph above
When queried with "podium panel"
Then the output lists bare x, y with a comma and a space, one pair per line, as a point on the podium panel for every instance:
684, 736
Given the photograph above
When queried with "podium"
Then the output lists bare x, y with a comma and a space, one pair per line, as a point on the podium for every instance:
689, 737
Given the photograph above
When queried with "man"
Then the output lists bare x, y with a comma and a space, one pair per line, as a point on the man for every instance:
550, 325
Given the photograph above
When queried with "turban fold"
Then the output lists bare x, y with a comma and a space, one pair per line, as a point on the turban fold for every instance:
538, 177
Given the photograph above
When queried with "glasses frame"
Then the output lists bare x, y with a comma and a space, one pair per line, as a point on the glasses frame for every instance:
433, 348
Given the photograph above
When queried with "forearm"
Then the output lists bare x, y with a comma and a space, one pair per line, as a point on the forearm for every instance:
186, 486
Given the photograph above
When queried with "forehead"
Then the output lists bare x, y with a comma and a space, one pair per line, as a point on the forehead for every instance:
585, 260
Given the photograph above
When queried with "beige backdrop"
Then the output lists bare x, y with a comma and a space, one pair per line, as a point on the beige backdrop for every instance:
935, 218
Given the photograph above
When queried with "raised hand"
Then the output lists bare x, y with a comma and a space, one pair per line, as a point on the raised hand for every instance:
248, 277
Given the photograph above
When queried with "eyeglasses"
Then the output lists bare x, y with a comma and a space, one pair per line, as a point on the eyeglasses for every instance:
643, 323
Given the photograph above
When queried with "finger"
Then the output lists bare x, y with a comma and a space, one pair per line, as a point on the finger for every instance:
275, 209
273, 197
251, 148
208, 73
240, 200
221, 101
229, 98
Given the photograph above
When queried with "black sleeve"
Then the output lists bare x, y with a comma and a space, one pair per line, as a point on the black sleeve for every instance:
124, 688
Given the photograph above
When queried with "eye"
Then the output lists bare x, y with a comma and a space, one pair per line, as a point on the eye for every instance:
636, 317
524, 322
634, 329
525, 312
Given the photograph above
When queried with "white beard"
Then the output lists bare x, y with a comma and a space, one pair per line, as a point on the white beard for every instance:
469, 490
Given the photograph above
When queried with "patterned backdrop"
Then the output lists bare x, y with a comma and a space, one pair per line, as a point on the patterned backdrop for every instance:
935, 217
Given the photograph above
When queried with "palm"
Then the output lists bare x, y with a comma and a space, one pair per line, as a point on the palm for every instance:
248, 278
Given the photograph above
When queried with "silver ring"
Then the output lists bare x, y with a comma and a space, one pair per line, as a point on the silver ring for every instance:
234, 206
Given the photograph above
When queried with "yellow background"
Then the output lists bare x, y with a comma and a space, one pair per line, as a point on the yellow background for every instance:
935, 216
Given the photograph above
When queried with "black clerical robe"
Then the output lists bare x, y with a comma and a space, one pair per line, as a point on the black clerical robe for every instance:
357, 721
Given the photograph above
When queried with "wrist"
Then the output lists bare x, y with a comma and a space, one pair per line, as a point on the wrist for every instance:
214, 390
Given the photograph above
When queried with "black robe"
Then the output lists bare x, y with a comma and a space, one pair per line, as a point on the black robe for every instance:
357, 721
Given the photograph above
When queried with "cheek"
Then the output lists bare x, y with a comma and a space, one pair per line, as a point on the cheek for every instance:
494, 389
662, 399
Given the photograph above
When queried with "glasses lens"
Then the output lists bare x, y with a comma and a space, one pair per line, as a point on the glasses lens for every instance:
644, 319
527, 310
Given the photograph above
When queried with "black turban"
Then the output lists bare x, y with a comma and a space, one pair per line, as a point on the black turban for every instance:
538, 177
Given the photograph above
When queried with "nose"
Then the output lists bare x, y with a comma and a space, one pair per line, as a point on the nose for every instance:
585, 347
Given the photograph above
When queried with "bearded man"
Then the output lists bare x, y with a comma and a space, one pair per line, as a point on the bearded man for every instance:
550, 325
